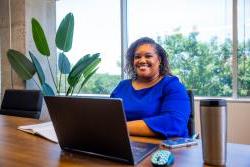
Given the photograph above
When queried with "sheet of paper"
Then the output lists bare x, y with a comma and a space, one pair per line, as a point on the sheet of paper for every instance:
45, 130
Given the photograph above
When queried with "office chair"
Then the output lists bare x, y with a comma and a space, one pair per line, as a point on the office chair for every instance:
191, 123
22, 103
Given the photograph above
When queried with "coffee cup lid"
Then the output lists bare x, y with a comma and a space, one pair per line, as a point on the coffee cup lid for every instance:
213, 102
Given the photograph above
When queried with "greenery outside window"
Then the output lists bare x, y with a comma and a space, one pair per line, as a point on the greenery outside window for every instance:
197, 36
244, 48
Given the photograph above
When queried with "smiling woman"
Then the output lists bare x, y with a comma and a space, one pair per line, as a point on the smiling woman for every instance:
155, 102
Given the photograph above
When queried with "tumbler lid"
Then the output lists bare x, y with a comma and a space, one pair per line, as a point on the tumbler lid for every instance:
213, 102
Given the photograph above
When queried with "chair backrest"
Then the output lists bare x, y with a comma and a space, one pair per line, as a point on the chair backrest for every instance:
23, 103
191, 123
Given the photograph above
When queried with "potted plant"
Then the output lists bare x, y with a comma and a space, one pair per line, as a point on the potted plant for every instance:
76, 76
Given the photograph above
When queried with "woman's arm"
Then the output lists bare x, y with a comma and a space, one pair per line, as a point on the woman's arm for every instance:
140, 128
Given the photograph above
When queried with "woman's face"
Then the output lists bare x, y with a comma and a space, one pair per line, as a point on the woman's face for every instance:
146, 62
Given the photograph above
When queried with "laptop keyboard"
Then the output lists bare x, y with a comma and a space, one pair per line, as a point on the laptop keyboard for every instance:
139, 149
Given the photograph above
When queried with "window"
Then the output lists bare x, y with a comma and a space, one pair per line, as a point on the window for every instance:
197, 36
97, 30
244, 48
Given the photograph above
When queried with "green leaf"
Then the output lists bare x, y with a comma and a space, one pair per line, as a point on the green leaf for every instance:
47, 90
85, 64
39, 38
38, 68
76, 71
76, 68
21, 64
87, 78
64, 64
91, 66
64, 34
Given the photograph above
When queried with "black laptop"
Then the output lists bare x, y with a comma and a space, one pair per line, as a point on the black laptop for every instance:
95, 126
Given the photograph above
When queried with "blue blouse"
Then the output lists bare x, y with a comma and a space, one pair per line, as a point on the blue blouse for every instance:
164, 107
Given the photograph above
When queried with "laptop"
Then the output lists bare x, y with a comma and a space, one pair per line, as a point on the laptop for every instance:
95, 126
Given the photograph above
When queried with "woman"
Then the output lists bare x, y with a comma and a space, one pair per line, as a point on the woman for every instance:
155, 102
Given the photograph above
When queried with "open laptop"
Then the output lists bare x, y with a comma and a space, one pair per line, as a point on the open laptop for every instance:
95, 126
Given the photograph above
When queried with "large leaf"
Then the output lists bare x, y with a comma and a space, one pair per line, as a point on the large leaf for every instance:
76, 71
87, 78
21, 64
64, 34
76, 68
83, 70
82, 67
84, 64
38, 68
39, 38
47, 90
64, 64
89, 69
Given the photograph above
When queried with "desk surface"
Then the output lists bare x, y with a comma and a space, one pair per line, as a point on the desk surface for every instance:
21, 149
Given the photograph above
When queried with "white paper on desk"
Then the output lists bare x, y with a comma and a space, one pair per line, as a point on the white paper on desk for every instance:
45, 130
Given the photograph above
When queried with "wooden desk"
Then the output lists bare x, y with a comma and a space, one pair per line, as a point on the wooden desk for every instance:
21, 149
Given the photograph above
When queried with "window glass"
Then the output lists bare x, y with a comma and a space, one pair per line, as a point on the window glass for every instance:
97, 30
197, 36
244, 48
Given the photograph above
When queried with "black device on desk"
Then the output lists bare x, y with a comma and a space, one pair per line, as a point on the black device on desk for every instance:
95, 126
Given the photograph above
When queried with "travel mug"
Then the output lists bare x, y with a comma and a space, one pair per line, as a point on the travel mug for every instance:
213, 117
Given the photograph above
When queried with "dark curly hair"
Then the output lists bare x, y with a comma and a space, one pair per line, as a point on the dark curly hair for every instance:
129, 67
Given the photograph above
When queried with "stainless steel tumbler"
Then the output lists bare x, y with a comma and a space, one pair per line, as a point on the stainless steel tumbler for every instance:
213, 117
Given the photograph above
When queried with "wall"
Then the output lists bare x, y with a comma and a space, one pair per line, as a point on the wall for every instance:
16, 33
238, 121
12, 14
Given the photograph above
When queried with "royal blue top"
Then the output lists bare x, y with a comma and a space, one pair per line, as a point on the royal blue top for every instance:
164, 107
